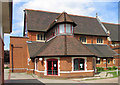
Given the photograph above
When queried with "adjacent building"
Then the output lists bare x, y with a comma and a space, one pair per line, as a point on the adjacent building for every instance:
60, 45
5, 27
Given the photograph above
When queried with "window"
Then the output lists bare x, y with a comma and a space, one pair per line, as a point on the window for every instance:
113, 61
108, 61
68, 28
40, 36
61, 28
98, 61
83, 39
64, 28
36, 64
99, 40
79, 64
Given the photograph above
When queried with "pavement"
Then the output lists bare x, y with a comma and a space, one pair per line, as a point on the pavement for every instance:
27, 78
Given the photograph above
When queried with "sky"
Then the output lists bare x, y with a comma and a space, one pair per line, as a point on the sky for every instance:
107, 11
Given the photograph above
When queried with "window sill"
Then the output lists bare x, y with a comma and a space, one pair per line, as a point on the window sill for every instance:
40, 40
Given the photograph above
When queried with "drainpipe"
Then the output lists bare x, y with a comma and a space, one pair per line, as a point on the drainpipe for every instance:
12, 55
106, 63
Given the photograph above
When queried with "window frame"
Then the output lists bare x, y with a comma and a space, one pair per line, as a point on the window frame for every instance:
99, 40
114, 61
97, 60
79, 64
109, 62
65, 31
82, 38
36, 64
41, 37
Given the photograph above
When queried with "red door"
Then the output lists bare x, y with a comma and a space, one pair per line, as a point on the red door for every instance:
52, 67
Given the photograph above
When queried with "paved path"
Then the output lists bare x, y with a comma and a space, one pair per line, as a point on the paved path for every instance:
25, 78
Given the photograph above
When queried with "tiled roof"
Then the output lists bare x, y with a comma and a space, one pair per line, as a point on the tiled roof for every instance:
101, 50
41, 20
114, 30
63, 45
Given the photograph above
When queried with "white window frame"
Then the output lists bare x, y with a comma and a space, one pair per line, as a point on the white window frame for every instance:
84, 42
36, 66
39, 37
102, 41
85, 58
114, 61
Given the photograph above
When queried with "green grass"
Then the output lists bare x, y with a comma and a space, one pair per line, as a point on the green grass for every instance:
114, 74
6, 67
118, 73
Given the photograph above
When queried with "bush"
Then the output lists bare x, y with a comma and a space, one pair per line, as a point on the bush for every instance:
114, 67
6, 67
100, 68
109, 68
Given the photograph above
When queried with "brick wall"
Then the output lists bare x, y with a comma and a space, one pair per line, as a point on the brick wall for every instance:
1, 61
92, 39
19, 53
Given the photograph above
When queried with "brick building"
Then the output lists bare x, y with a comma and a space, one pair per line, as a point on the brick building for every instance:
5, 27
60, 45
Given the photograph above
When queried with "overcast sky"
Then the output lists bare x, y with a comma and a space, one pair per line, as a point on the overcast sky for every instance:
107, 11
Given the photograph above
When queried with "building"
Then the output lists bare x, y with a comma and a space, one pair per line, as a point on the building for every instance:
60, 45
5, 27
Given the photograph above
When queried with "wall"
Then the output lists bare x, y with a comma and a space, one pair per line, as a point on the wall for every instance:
19, 54
1, 61
32, 35
92, 39
66, 68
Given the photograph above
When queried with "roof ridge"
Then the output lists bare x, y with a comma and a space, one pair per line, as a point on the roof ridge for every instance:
60, 13
110, 23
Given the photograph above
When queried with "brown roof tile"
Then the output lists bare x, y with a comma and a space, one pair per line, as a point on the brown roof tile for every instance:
41, 20
61, 46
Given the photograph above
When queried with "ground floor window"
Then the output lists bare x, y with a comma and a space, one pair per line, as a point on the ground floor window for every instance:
79, 64
113, 61
108, 61
98, 61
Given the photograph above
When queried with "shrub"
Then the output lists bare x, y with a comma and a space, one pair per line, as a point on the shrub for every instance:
109, 68
6, 67
114, 67
100, 68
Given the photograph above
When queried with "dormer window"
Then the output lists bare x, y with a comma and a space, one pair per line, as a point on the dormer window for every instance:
61, 28
40, 37
68, 28
64, 29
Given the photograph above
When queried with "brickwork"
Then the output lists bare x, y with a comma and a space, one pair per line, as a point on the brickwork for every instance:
1, 61
19, 52
92, 39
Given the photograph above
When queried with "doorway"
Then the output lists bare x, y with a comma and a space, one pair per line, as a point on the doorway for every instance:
52, 67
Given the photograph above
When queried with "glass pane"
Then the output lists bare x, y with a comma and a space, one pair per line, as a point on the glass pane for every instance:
49, 65
61, 28
76, 64
68, 28
81, 64
55, 72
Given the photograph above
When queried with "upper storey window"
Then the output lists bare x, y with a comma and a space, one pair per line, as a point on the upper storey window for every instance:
40, 37
99, 41
61, 28
64, 29
83, 40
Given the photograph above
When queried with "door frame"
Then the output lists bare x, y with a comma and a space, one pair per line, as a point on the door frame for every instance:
47, 66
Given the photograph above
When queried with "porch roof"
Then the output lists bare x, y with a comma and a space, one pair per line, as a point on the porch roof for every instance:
101, 50
59, 46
